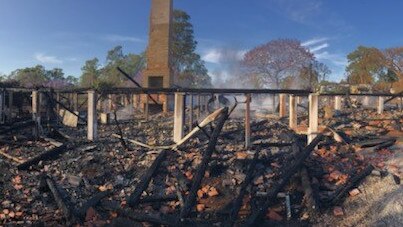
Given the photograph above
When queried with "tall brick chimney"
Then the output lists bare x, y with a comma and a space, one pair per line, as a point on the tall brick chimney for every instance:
158, 73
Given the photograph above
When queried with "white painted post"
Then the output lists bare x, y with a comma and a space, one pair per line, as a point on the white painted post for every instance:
313, 117
75, 101
337, 102
282, 110
92, 119
35, 112
247, 121
293, 112
35, 105
381, 104
110, 102
191, 113
179, 116
365, 101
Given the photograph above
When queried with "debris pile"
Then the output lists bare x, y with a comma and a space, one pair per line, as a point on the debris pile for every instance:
135, 173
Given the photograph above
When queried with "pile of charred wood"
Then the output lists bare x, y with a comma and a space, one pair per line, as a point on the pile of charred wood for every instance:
207, 178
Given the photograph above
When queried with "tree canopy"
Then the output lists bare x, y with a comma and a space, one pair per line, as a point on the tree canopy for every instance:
365, 65
38, 76
186, 63
269, 65
370, 65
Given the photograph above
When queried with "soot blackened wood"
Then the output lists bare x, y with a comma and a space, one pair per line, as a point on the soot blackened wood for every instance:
191, 198
67, 212
237, 203
18, 126
288, 171
122, 141
44, 156
160, 198
92, 202
134, 198
343, 191
151, 218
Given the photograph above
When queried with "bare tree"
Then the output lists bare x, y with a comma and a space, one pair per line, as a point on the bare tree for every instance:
271, 63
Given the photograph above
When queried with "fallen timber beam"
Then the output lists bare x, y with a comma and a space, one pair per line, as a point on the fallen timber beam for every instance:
343, 190
288, 171
237, 203
92, 202
400, 94
67, 212
211, 118
191, 197
158, 219
134, 198
310, 201
253, 126
66, 108
17, 160
44, 156
122, 141
376, 142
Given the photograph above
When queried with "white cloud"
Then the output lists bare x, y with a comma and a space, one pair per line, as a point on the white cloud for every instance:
212, 56
121, 38
314, 41
315, 49
47, 59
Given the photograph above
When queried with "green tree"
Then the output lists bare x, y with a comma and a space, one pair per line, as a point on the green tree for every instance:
90, 73
72, 80
30, 76
130, 63
55, 74
365, 65
187, 64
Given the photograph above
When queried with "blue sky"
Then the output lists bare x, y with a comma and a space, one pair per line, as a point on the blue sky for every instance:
65, 33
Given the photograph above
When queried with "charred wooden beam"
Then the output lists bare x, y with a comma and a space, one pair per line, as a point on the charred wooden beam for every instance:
61, 203
237, 203
134, 198
44, 156
340, 193
92, 202
191, 197
122, 141
159, 198
310, 201
400, 94
68, 109
157, 219
135, 82
287, 172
